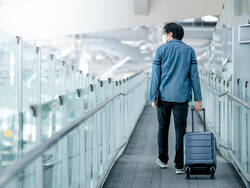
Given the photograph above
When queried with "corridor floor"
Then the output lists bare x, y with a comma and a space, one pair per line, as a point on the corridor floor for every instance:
136, 168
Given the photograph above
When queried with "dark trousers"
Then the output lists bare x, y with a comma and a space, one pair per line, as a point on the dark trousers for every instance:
180, 111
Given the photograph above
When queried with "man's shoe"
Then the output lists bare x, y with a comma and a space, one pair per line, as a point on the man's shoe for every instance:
161, 164
180, 171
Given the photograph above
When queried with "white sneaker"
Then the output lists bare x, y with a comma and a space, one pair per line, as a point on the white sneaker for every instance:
161, 164
180, 171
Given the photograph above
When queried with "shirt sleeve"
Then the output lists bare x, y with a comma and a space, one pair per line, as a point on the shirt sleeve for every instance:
156, 75
194, 77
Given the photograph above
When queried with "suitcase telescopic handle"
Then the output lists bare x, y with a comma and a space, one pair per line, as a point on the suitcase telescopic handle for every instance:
204, 119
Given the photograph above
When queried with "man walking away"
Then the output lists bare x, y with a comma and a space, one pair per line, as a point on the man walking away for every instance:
174, 75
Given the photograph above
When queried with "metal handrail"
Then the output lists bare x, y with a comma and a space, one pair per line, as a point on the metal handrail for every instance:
230, 95
8, 173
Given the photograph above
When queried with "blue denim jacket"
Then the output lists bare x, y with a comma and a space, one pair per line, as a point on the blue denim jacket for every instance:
175, 73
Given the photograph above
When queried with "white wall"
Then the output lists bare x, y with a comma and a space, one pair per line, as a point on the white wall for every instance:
49, 18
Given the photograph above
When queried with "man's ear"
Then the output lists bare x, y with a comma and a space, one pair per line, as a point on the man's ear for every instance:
171, 34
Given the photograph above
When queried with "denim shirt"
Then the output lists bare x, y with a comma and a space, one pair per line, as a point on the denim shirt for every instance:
175, 73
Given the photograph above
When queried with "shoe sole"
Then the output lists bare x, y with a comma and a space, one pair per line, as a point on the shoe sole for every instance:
178, 173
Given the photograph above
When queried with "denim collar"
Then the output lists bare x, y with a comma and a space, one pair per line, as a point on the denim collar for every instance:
175, 40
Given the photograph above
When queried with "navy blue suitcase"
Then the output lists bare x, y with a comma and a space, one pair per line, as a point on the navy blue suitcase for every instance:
199, 151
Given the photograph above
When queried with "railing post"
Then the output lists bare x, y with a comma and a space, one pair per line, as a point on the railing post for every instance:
19, 95
113, 123
222, 110
63, 146
217, 109
64, 80
248, 123
89, 139
125, 106
94, 135
39, 166
244, 128
82, 141
224, 127
52, 76
52, 87
108, 89
103, 129
120, 115
117, 115
230, 116
236, 144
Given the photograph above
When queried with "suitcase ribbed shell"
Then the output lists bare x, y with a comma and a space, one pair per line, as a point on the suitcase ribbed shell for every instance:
199, 149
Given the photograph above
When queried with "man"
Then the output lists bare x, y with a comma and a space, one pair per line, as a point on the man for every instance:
174, 75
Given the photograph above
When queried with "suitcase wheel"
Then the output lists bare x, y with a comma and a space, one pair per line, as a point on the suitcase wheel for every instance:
188, 169
212, 171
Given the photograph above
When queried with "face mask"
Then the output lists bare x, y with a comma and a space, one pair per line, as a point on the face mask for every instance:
164, 39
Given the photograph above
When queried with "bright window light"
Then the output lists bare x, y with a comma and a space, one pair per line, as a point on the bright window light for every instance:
189, 20
132, 43
209, 18
116, 66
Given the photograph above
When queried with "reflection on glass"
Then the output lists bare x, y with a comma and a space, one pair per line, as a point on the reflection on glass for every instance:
81, 158
18, 88
59, 77
46, 66
50, 118
29, 130
8, 99
8, 59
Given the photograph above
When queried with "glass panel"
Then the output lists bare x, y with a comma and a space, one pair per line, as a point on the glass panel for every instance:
59, 77
69, 79
29, 130
8, 111
8, 140
51, 118
29, 75
78, 80
26, 178
46, 66
9, 61
71, 106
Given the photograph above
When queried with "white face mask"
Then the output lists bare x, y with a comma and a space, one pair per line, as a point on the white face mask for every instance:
164, 39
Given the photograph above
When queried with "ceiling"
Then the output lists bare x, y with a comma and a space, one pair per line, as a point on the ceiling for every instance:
117, 35
103, 51
52, 18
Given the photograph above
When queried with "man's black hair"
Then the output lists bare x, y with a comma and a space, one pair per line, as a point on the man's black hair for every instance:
176, 29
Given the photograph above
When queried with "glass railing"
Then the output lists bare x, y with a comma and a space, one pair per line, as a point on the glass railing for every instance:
218, 58
81, 135
28, 76
8, 59
228, 116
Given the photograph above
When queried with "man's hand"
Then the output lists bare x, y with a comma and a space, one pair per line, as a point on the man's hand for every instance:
198, 106
154, 105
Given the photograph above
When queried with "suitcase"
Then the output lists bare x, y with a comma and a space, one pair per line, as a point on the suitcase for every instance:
199, 151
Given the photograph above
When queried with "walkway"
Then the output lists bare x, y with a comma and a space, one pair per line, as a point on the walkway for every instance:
136, 168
